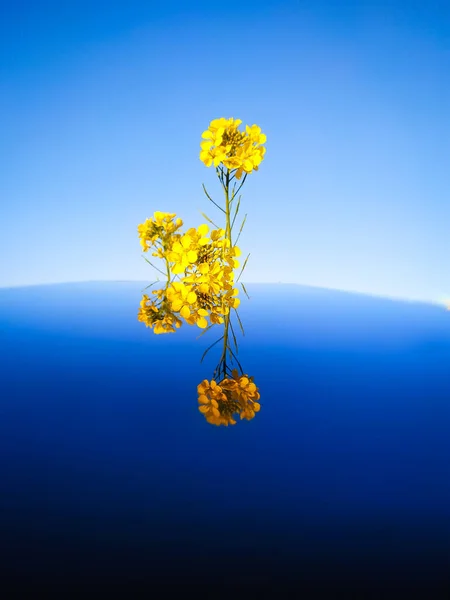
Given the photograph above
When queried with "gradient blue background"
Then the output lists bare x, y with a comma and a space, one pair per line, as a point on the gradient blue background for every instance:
107, 470
102, 105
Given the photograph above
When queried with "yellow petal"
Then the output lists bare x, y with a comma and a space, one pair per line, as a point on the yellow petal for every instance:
192, 256
202, 323
203, 229
177, 304
158, 328
186, 241
172, 256
206, 159
177, 269
185, 312
204, 385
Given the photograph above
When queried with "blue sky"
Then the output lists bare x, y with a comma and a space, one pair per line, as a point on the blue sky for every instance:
102, 105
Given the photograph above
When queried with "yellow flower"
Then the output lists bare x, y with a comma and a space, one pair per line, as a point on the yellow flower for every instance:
230, 299
182, 254
246, 392
212, 399
235, 395
158, 318
236, 150
146, 237
159, 227
199, 235
215, 317
165, 220
185, 250
255, 135
208, 276
166, 324
197, 317
181, 298
230, 254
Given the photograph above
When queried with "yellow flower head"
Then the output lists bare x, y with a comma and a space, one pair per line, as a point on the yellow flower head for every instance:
184, 251
160, 227
213, 402
236, 150
158, 318
219, 402
182, 298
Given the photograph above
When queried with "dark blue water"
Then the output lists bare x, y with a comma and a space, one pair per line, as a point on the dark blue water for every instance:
109, 473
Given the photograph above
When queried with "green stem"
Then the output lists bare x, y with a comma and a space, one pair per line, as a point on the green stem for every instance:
225, 344
168, 271
167, 264
225, 181
228, 236
227, 206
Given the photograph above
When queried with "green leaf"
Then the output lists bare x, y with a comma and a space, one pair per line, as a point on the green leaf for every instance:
240, 322
204, 331
209, 197
237, 210
233, 334
208, 219
243, 267
240, 230
149, 286
208, 349
151, 264
230, 352
243, 287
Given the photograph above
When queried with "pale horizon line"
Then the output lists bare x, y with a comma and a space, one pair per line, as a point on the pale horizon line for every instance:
319, 287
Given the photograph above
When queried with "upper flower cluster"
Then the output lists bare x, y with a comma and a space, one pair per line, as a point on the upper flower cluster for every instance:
223, 143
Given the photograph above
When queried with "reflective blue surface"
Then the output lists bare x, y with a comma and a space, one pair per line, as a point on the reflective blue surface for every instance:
108, 467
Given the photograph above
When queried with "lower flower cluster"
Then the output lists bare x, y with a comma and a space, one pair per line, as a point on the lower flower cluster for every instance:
232, 396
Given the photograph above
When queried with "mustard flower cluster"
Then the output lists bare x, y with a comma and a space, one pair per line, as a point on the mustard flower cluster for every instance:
206, 266
158, 315
161, 227
235, 395
237, 151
